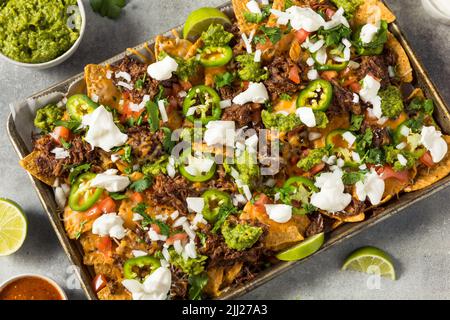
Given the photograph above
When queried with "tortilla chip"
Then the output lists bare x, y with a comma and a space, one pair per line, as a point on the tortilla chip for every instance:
403, 68
372, 11
194, 48
231, 273
98, 84
427, 176
240, 8
29, 164
417, 93
75, 223
215, 280
175, 47
106, 294
295, 51
280, 235
344, 217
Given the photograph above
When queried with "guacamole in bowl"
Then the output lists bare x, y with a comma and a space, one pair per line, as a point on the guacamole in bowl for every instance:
39, 31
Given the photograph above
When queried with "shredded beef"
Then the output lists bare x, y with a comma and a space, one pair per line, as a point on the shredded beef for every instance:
145, 145
278, 81
172, 192
221, 183
179, 286
229, 92
80, 152
316, 226
137, 70
377, 66
343, 101
248, 114
381, 137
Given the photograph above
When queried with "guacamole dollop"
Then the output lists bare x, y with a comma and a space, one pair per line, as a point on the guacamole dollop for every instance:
47, 116
36, 31
240, 236
248, 167
349, 6
391, 102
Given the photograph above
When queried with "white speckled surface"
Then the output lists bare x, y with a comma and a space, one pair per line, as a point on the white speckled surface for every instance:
418, 238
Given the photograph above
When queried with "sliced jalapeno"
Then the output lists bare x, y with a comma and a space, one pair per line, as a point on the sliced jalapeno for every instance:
317, 95
216, 56
82, 196
299, 190
214, 200
79, 105
330, 64
300, 181
140, 267
206, 103
185, 171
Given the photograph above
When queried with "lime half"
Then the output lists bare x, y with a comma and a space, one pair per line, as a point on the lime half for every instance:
370, 260
303, 249
200, 19
13, 227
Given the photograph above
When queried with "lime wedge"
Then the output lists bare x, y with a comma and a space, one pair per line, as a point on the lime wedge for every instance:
13, 227
303, 249
370, 260
200, 19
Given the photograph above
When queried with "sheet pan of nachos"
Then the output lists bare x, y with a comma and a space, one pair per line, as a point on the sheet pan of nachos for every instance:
188, 167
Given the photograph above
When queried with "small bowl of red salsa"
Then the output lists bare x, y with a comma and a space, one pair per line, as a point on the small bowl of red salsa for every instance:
31, 287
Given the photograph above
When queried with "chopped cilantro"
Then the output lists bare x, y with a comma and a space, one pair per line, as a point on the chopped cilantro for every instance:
141, 184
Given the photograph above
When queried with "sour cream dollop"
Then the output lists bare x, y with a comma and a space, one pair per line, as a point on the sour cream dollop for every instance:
331, 196
162, 70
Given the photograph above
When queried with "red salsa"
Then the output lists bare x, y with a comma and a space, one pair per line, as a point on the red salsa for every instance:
30, 288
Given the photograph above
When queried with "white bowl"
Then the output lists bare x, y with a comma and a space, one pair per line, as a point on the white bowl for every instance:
61, 58
26, 275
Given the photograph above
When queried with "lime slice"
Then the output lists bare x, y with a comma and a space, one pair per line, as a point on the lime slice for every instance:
13, 227
370, 260
303, 249
200, 19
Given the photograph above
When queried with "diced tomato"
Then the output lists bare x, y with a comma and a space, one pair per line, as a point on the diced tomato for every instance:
387, 172
186, 85
427, 160
106, 205
301, 35
99, 282
355, 86
104, 245
328, 75
136, 197
329, 13
61, 132
177, 236
156, 228
317, 168
294, 74
94, 212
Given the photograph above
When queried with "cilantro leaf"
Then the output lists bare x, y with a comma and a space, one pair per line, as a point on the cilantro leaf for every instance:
224, 79
76, 171
141, 185
356, 122
223, 214
108, 8
272, 33
349, 178
66, 145
258, 17
196, 285
334, 35
285, 97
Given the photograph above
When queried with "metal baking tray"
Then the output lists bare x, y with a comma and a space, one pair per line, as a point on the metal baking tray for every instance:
74, 250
